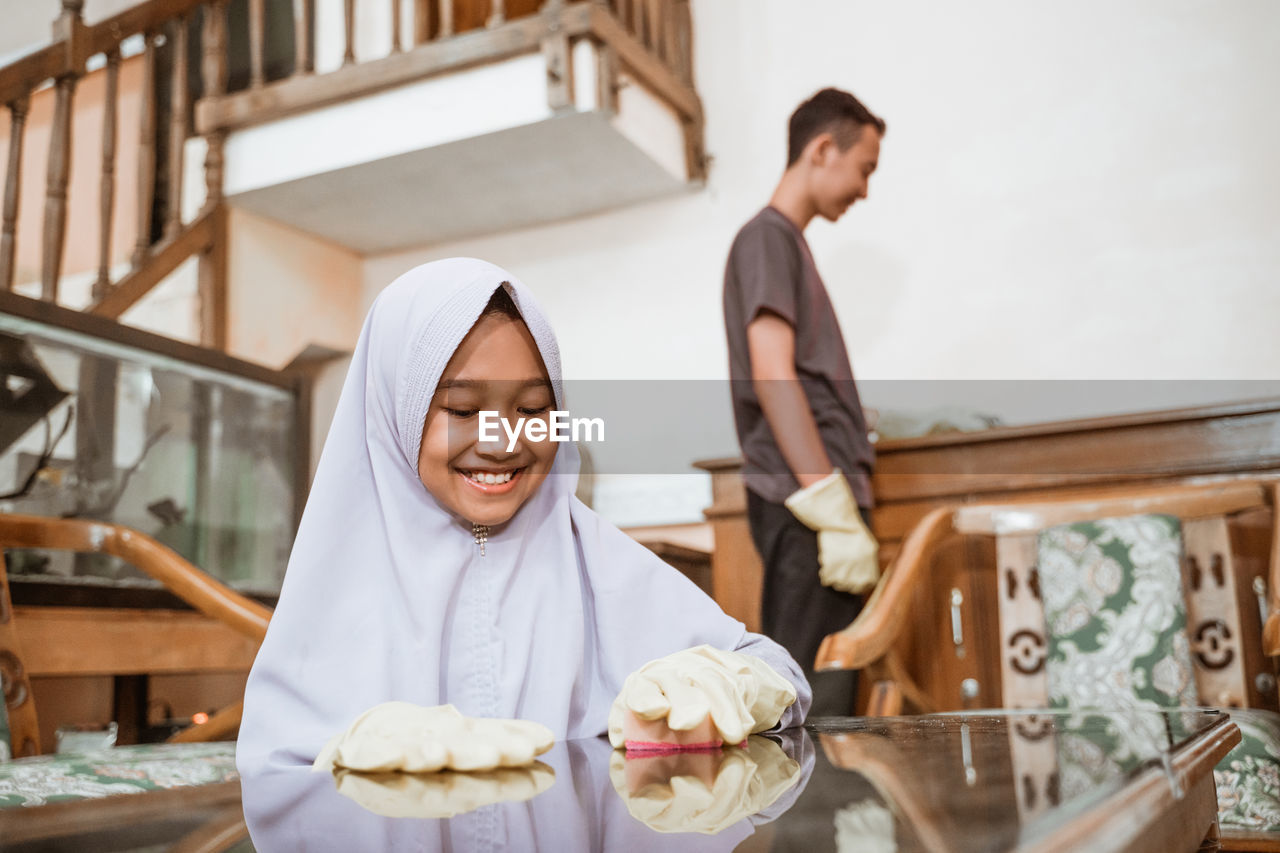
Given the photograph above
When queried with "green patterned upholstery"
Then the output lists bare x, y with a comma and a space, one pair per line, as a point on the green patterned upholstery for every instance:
1115, 624
122, 770
1249, 777
1114, 614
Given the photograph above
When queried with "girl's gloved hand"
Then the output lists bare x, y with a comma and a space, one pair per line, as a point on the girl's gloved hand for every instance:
675, 699
401, 736
703, 792
445, 794
848, 555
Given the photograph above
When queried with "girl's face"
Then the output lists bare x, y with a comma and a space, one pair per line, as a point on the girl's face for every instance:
497, 369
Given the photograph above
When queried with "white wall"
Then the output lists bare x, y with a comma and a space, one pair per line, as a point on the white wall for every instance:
1085, 190
1066, 191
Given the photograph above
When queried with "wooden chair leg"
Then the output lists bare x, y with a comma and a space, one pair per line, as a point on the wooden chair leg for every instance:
886, 700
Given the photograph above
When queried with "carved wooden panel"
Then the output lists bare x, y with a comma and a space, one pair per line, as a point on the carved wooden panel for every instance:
1024, 649
1213, 620
1034, 750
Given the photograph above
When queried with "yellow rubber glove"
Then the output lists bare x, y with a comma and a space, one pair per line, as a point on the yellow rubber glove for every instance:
703, 792
739, 693
401, 736
444, 794
848, 555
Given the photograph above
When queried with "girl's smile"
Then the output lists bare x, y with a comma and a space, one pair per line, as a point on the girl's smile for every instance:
492, 482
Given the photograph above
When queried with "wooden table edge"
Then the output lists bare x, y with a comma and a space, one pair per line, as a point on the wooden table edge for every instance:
32, 823
1134, 819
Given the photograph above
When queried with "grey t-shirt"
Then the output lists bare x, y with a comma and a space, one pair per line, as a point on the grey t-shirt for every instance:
770, 269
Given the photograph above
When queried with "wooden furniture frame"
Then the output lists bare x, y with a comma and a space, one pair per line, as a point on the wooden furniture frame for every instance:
202, 592
867, 643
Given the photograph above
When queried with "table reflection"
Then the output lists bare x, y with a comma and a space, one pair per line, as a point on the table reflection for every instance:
580, 796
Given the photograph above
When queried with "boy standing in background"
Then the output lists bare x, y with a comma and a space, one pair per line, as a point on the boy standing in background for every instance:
807, 460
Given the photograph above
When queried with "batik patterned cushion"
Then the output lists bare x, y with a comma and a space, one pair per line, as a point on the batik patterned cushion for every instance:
1115, 618
122, 770
1248, 779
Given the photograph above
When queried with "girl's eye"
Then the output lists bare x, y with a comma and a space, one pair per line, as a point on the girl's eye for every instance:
533, 411
460, 413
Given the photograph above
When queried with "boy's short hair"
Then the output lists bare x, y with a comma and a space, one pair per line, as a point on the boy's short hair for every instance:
829, 111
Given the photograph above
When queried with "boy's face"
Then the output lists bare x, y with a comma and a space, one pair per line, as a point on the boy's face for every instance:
838, 178
497, 368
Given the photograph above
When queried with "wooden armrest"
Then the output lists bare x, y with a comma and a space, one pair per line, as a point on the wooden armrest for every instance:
870, 636
195, 587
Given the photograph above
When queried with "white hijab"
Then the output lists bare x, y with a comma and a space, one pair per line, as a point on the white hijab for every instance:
562, 607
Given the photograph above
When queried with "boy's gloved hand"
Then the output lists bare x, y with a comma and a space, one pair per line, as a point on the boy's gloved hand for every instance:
401, 736
848, 555
738, 693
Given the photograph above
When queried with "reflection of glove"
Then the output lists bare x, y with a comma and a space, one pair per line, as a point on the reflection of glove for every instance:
865, 827
740, 693
445, 794
847, 552
703, 791
403, 736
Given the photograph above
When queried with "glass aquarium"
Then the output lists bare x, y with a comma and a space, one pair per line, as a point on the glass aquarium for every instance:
199, 450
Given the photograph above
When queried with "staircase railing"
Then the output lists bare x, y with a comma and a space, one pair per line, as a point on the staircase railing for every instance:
64, 64
650, 40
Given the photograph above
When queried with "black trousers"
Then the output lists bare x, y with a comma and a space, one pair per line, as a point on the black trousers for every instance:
796, 610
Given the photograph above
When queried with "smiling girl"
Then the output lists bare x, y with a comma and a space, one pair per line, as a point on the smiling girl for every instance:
432, 566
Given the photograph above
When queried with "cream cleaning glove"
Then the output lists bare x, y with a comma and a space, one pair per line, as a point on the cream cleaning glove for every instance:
400, 736
848, 555
738, 693
696, 792
445, 794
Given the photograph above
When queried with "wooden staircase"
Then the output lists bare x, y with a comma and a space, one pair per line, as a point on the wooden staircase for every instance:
649, 40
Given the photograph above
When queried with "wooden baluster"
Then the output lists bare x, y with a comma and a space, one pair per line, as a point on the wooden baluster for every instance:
177, 129
304, 58
55, 204
107, 189
653, 26
304, 61
146, 151
12, 191
212, 284
257, 39
498, 12
213, 71
671, 35
639, 18
445, 9
349, 18
395, 26
684, 41
558, 58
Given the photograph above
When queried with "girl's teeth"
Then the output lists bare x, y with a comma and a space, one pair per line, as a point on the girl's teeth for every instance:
490, 479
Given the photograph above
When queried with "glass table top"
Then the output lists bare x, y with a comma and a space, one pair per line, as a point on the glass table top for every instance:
953, 782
